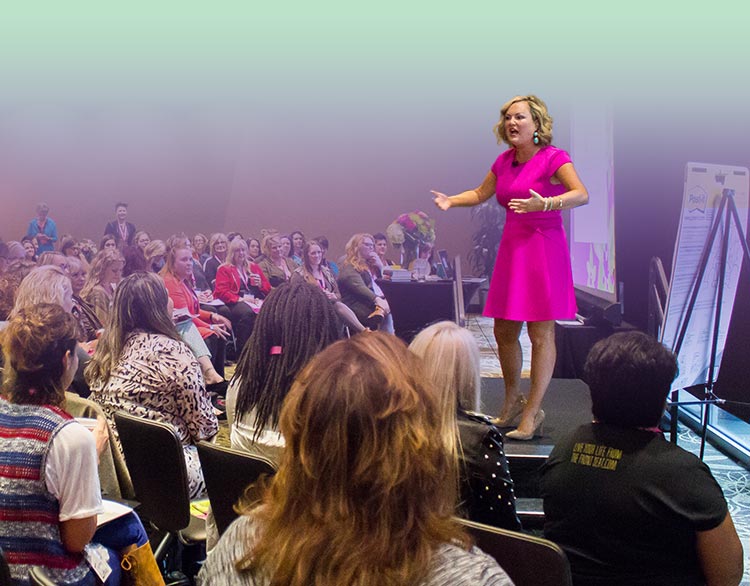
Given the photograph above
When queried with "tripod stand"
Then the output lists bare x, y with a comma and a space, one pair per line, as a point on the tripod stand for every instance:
726, 216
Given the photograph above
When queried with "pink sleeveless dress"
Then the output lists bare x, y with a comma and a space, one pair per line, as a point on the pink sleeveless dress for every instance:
532, 279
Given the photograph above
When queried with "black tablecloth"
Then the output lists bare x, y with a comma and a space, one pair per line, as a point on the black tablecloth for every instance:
417, 304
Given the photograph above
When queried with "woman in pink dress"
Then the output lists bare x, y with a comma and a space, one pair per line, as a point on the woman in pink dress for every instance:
532, 281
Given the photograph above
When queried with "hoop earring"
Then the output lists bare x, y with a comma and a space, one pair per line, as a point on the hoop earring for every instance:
536, 137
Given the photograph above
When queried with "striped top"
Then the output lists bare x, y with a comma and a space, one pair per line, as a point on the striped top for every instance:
29, 523
451, 565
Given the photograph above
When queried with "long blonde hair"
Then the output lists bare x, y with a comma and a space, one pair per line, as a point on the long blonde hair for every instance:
103, 259
352, 251
235, 245
365, 491
451, 360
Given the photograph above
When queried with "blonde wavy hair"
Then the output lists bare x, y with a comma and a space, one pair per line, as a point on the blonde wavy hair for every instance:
45, 284
352, 251
539, 114
266, 239
103, 259
450, 356
233, 247
364, 493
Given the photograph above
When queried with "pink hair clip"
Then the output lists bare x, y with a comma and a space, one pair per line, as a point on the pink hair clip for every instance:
275, 350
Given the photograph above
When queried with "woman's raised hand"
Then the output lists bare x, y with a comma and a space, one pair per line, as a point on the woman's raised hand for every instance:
441, 200
533, 204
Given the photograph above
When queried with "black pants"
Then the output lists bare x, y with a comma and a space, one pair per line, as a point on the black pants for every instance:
243, 320
218, 349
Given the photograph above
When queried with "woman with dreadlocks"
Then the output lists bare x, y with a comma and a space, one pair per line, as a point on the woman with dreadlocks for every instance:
296, 322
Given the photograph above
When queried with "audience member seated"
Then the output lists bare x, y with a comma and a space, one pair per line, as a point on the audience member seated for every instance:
142, 238
108, 241
358, 287
88, 249
241, 285
69, 247
49, 487
381, 248
10, 281
332, 266
29, 247
295, 323
298, 247
16, 251
155, 254
134, 254
451, 360
213, 328
253, 250
217, 248
286, 246
88, 322
275, 266
363, 494
51, 284
142, 367
53, 258
313, 272
627, 506
200, 248
105, 274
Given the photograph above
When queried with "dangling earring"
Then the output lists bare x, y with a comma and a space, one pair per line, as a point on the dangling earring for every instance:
536, 137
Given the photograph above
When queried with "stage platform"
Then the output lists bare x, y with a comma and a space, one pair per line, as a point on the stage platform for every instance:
567, 405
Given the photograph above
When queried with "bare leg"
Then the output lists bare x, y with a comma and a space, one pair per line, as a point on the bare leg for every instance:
511, 360
348, 316
543, 354
210, 376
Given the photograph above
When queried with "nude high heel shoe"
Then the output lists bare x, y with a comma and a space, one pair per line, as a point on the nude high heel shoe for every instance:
513, 414
538, 426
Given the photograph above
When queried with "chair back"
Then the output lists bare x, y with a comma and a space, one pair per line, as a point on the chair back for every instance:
228, 473
38, 577
114, 477
156, 462
528, 560
4, 570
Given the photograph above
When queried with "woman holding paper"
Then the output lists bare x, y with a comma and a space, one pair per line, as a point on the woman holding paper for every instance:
49, 487
532, 281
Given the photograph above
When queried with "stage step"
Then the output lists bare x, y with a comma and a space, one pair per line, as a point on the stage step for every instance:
524, 461
531, 512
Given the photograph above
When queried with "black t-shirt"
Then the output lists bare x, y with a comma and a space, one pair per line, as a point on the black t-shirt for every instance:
625, 505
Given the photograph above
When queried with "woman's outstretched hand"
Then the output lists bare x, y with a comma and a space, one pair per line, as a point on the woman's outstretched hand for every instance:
533, 204
441, 200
